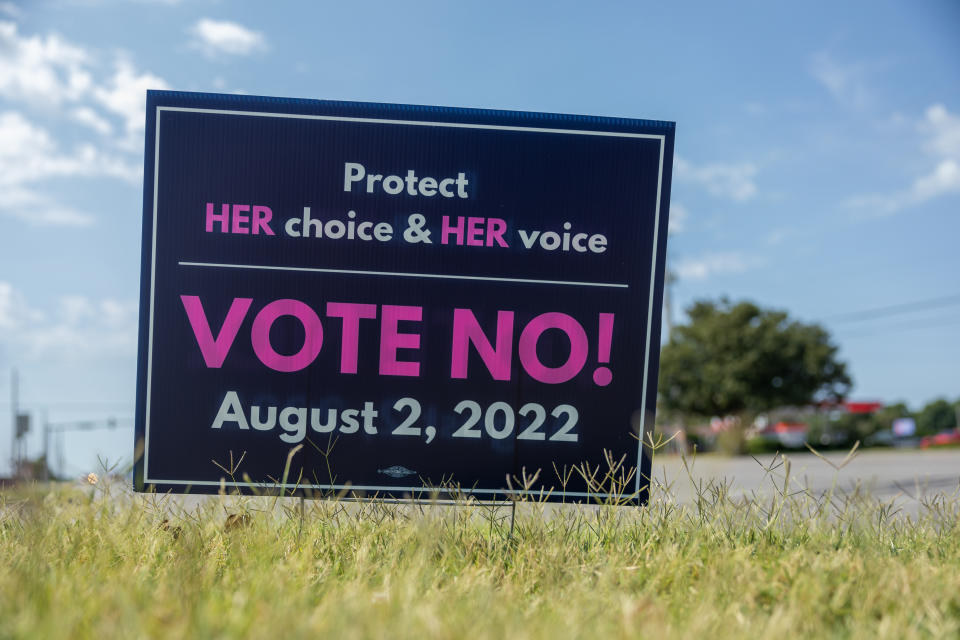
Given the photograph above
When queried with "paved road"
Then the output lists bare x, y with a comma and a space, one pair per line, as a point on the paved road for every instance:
908, 475
886, 473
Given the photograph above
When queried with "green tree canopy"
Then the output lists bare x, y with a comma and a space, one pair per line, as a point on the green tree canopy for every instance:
935, 417
737, 358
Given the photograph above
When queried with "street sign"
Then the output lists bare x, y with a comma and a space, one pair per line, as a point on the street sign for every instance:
398, 300
904, 427
23, 424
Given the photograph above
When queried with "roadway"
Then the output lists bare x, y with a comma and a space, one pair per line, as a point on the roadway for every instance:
885, 473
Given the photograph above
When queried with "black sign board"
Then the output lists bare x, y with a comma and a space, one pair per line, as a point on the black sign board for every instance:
421, 299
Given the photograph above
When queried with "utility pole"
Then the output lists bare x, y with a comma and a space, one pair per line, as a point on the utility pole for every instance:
46, 447
15, 411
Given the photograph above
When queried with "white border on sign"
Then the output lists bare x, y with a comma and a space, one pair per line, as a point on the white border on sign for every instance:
418, 123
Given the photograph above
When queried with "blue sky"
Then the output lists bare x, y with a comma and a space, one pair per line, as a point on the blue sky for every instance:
817, 170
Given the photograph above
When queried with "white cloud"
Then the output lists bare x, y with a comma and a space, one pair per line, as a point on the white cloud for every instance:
65, 83
15, 313
18, 136
678, 218
37, 208
41, 70
7, 305
712, 264
88, 117
126, 96
10, 9
115, 313
216, 37
86, 327
48, 71
945, 178
29, 154
733, 181
845, 82
942, 131
80, 327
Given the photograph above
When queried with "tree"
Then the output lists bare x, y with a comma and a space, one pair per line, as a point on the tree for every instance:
848, 427
737, 359
935, 417
885, 416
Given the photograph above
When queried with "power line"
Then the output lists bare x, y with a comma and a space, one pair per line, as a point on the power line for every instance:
90, 425
911, 326
71, 405
57, 429
896, 309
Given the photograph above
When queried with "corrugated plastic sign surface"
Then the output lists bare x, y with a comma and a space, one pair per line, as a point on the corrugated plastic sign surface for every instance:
420, 298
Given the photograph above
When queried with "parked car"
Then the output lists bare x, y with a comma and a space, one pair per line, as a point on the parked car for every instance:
942, 439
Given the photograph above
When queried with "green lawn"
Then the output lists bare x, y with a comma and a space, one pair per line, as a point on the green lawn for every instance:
99, 562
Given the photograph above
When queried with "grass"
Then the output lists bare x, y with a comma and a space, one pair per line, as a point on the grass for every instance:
99, 562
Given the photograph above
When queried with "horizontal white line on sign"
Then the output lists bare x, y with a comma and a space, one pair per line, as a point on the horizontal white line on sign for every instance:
417, 123
398, 274
377, 488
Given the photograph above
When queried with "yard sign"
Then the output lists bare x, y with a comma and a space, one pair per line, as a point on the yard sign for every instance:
424, 300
